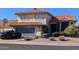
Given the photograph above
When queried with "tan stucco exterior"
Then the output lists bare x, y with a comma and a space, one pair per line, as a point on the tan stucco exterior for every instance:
48, 20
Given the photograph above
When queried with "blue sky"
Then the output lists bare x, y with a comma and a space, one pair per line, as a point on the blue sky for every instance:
9, 13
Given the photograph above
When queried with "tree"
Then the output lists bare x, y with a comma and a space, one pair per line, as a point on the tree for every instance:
5, 20
37, 8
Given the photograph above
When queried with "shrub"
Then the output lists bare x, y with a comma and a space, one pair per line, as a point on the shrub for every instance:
62, 33
46, 35
71, 31
56, 34
76, 32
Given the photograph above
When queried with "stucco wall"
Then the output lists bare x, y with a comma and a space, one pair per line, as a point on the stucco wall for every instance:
38, 31
33, 20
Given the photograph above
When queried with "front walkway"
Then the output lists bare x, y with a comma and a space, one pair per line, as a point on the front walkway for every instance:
42, 41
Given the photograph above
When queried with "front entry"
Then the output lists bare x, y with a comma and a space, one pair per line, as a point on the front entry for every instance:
53, 28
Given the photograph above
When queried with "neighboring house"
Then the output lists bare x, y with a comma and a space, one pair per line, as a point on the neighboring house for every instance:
31, 22
6, 26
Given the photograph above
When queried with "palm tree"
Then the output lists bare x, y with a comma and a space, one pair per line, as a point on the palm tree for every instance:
5, 20
37, 8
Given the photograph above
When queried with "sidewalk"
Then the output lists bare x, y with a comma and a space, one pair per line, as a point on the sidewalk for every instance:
42, 41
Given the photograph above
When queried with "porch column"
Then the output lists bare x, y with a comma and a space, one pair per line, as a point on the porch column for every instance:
49, 28
59, 26
69, 23
73, 23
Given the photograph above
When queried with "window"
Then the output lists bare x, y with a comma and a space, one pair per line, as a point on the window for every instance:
26, 30
26, 17
39, 16
64, 25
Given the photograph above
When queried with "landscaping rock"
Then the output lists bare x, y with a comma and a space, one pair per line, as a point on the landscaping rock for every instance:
62, 38
28, 39
52, 39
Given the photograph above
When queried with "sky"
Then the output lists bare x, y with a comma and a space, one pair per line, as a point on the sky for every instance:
9, 13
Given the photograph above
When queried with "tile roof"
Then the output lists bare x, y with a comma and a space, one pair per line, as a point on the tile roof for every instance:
34, 12
31, 12
60, 18
7, 24
66, 18
27, 24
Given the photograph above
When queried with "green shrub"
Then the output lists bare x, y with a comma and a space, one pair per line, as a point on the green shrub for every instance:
56, 34
46, 35
76, 32
62, 33
71, 31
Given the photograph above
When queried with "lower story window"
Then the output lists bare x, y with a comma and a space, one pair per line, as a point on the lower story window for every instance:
26, 29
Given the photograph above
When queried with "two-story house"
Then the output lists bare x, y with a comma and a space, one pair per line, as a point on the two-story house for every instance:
31, 22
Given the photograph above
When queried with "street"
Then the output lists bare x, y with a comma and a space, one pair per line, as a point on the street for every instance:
35, 47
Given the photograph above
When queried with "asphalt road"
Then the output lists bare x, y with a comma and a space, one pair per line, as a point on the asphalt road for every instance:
35, 47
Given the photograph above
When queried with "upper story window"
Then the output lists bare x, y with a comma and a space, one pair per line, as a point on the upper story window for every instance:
25, 17
39, 16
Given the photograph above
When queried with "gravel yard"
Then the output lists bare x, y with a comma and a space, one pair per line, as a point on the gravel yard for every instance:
43, 41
